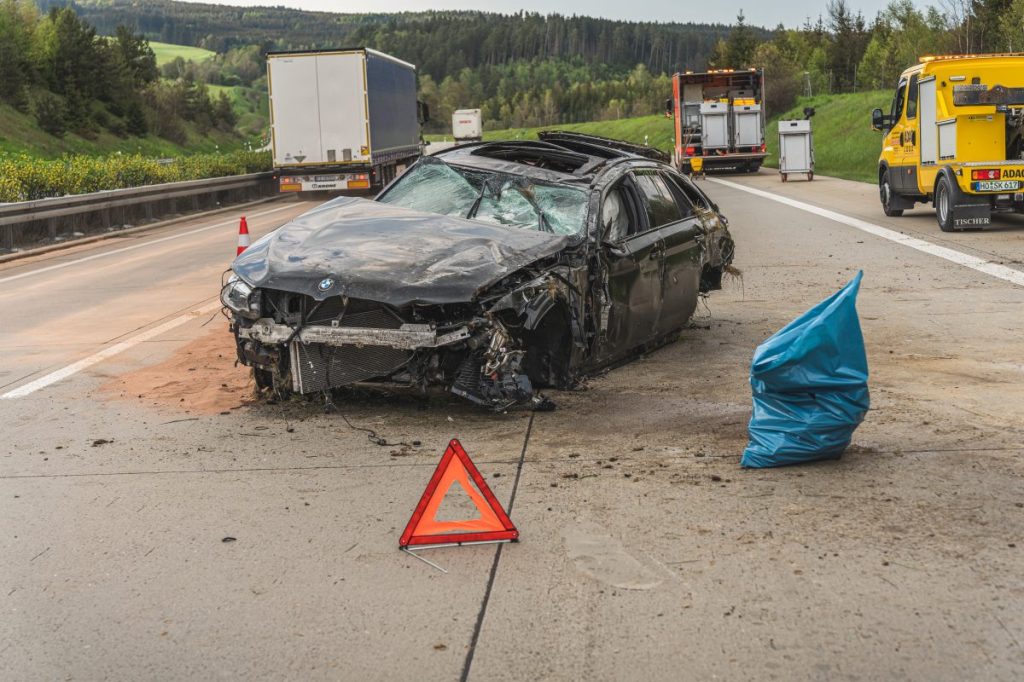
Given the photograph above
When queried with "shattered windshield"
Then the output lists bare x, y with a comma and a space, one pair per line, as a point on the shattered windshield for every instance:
436, 187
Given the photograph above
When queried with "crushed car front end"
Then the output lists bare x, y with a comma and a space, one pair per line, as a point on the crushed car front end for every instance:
358, 291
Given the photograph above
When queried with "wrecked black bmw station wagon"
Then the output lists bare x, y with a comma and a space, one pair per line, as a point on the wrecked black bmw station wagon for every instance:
489, 269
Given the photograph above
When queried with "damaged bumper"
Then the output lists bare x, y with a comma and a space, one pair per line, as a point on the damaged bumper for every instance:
476, 360
406, 337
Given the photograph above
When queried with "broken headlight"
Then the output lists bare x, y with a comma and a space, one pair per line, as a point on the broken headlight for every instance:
241, 298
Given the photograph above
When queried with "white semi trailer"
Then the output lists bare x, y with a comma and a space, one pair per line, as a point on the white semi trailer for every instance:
342, 119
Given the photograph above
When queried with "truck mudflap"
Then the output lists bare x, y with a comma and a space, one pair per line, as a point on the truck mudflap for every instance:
973, 215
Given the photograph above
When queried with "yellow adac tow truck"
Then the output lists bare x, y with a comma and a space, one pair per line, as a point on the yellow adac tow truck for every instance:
954, 136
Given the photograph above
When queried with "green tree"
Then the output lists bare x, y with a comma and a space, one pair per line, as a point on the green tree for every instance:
17, 69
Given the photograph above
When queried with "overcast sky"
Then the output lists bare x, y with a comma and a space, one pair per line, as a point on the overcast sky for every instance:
792, 13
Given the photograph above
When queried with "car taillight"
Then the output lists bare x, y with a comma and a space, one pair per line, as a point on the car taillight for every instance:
690, 151
985, 174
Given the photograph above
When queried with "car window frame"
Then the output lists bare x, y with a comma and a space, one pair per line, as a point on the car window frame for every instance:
899, 102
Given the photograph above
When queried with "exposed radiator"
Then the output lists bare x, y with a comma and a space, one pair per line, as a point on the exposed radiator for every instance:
317, 367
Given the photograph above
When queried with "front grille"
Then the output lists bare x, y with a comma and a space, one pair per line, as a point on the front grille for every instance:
286, 306
317, 367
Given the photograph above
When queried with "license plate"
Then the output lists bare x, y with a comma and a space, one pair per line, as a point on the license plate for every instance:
996, 186
326, 178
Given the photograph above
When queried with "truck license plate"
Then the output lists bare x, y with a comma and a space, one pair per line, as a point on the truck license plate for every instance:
996, 186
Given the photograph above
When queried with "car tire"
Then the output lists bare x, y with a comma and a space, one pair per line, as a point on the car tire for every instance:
886, 195
945, 198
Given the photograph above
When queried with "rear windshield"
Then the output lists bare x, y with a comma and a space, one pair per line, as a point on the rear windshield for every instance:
436, 187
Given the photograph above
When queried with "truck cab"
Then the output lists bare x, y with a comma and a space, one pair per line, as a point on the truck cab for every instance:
954, 136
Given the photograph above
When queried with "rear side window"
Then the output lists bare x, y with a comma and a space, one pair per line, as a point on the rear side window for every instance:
661, 205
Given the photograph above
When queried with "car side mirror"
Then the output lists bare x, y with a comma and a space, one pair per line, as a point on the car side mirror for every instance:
878, 120
422, 112
669, 107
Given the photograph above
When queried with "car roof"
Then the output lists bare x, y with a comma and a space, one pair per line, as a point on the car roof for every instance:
558, 156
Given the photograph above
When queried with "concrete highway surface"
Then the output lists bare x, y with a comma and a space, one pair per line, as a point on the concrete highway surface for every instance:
159, 523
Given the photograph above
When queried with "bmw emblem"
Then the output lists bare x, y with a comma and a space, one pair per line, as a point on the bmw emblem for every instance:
325, 284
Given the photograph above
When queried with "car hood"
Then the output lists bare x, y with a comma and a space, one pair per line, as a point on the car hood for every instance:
370, 250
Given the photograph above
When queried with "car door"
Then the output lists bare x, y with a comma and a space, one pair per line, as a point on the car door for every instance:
673, 217
682, 268
632, 254
894, 138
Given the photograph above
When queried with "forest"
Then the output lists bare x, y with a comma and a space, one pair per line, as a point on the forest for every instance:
78, 65
56, 66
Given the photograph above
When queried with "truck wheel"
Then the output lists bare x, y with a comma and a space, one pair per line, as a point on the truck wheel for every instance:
944, 204
885, 193
784, 177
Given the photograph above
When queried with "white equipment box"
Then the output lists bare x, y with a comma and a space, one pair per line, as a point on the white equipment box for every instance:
714, 125
747, 125
796, 148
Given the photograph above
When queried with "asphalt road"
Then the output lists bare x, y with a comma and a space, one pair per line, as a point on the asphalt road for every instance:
132, 453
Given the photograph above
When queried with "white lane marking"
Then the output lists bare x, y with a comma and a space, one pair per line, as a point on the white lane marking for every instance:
136, 246
110, 351
952, 255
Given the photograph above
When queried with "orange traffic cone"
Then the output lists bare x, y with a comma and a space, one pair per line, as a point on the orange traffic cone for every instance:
243, 237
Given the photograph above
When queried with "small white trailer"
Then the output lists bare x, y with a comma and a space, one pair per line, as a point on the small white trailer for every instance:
796, 149
467, 126
342, 119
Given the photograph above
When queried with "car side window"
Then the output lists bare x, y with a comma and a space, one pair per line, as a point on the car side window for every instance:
897, 102
661, 206
619, 216
686, 203
692, 192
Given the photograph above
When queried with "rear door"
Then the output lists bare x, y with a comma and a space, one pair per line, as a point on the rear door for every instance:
681, 279
295, 114
632, 252
674, 219
344, 131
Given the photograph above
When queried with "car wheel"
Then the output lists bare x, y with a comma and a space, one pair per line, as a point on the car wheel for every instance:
944, 204
548, 351
886, 195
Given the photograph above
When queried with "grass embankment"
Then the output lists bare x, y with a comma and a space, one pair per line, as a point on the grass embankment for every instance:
844, 144
166, 52
20, 134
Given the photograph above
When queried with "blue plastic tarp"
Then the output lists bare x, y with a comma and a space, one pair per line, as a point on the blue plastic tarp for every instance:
810, 384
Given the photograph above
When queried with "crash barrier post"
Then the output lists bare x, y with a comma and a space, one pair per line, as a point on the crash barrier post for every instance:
810, 385
28, 224
424, 531
243, 236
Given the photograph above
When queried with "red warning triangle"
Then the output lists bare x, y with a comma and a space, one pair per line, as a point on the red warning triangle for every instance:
424, 528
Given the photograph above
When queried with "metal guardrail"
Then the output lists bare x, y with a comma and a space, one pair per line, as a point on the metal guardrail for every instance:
32, 223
